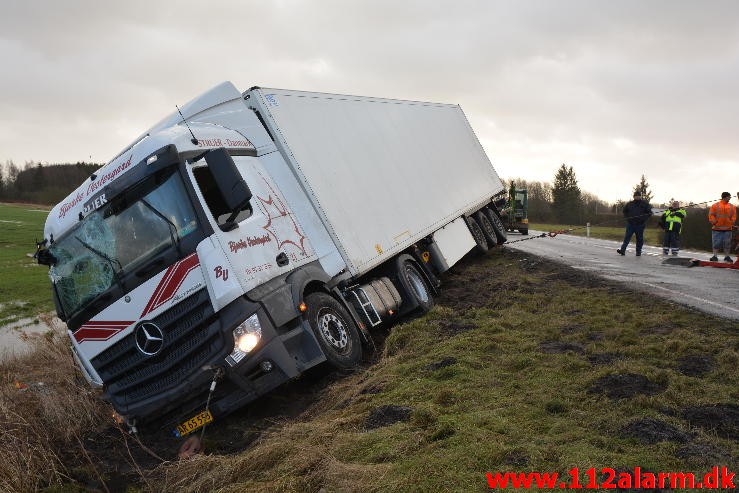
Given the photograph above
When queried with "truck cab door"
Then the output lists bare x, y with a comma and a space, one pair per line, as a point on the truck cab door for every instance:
266, 238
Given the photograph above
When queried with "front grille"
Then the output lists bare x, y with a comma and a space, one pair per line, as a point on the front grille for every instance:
191, 340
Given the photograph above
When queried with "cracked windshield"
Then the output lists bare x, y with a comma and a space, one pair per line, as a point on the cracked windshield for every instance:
120, 236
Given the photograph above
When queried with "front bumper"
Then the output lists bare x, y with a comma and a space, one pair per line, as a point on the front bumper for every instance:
175, 384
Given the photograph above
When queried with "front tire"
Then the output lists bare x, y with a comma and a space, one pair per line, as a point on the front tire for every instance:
335, 330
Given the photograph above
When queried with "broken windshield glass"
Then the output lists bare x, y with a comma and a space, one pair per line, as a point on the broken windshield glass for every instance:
125, 233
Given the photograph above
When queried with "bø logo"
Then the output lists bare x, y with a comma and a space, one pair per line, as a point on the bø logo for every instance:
149, 338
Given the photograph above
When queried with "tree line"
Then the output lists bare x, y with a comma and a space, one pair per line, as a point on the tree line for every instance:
564, 202
42, 184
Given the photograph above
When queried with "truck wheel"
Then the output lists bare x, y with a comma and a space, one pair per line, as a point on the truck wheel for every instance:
524, 231
477, 235
414, 284
497, 226
487, 228
335, 330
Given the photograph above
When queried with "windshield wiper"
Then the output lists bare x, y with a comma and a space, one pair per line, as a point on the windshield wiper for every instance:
173, 234
105, 257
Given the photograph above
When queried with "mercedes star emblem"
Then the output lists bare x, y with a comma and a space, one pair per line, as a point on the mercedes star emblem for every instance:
149, 338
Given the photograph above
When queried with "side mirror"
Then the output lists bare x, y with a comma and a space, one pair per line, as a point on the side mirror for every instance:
43, 256
229, 181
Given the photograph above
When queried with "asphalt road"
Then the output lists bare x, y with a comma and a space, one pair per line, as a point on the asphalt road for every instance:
708, 289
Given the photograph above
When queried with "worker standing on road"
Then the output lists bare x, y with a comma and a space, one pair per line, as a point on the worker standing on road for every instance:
672, 222
722, 216
636, 213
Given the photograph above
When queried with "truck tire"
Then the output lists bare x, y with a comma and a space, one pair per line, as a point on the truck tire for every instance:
335, 330
497, 226
524, 231
487, 228
477, 235
414, 284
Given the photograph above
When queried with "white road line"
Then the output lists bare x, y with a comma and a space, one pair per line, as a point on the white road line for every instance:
696, 298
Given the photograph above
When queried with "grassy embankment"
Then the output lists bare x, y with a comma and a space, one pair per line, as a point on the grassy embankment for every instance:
24, 285
523, 365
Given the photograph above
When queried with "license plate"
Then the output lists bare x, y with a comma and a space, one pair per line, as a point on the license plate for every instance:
192, 424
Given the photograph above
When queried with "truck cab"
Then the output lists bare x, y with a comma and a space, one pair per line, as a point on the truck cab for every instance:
160, 266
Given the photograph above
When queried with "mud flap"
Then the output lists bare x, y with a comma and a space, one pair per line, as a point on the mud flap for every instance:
367, 341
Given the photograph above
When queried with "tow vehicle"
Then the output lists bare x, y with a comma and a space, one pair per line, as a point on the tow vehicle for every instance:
514, 210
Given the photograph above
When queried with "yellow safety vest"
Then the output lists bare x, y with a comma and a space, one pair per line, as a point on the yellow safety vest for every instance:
672, 217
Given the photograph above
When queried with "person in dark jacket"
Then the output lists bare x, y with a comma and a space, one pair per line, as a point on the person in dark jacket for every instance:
636, 213
672, 222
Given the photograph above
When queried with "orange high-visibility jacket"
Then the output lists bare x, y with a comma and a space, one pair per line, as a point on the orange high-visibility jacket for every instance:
722, 216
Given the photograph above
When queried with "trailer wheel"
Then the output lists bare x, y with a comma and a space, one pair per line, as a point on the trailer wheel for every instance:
497, 226
414, 284
335, 330
487, 228
477, 235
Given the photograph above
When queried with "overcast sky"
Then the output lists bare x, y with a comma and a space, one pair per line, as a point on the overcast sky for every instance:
615, 89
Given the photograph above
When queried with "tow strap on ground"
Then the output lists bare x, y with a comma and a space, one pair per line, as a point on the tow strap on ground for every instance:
722, 265
549, 234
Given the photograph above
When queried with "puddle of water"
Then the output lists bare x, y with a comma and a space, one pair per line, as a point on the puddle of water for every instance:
16, 337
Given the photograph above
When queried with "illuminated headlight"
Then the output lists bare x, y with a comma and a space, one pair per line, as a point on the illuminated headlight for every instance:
246, 338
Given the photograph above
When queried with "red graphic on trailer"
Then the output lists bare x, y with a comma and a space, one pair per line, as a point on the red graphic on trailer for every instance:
99, 330
171, 282
280, 220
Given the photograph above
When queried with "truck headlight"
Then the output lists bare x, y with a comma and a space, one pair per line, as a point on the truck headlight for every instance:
246, 338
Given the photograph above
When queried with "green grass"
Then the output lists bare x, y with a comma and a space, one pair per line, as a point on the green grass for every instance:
24, 285
651, 235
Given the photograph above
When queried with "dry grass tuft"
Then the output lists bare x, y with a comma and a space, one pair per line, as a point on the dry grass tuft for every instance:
44, 408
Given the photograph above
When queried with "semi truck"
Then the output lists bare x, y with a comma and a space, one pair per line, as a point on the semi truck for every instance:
250, 236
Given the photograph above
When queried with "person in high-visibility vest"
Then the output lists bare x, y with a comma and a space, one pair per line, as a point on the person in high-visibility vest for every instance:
722, 216
672, 222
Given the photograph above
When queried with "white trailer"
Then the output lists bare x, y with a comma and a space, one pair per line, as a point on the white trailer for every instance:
254, 235
381, 173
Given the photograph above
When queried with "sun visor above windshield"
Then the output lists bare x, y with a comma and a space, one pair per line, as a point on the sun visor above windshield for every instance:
163, 158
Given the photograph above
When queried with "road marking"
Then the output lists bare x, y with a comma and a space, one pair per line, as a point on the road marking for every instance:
696, 298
